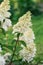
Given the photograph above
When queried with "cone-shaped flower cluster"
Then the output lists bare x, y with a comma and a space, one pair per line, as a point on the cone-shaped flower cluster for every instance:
24, 26
5, 22
5, 14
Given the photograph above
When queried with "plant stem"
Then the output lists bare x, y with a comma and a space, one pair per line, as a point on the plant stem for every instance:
14, 49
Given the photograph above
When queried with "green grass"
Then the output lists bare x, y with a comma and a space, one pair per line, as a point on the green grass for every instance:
38, 30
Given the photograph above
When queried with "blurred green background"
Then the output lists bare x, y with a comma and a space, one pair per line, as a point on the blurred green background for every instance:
19, 7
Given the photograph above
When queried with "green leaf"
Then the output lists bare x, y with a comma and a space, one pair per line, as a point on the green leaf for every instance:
22, 42
3, 31
13, 41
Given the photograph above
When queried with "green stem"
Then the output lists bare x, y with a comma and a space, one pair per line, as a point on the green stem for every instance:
14, 49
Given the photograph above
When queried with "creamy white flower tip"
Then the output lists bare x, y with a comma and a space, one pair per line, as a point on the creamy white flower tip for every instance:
28, 53
4, 6
6, 24
6, 56
23, 23
4, 9
2, 60
25, 17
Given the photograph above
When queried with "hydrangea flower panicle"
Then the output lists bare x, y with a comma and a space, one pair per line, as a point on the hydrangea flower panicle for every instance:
5, 15
24, 26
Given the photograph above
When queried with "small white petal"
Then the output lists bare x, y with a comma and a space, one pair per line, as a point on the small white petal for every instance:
1, 18
7, 14
6, 24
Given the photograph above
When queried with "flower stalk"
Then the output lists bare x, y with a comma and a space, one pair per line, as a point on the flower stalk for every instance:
14, 49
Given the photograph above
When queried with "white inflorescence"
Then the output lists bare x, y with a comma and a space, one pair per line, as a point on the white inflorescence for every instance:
5, 14
5, 23
24, 26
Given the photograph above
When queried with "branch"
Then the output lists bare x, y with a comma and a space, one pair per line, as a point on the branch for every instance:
14, 49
